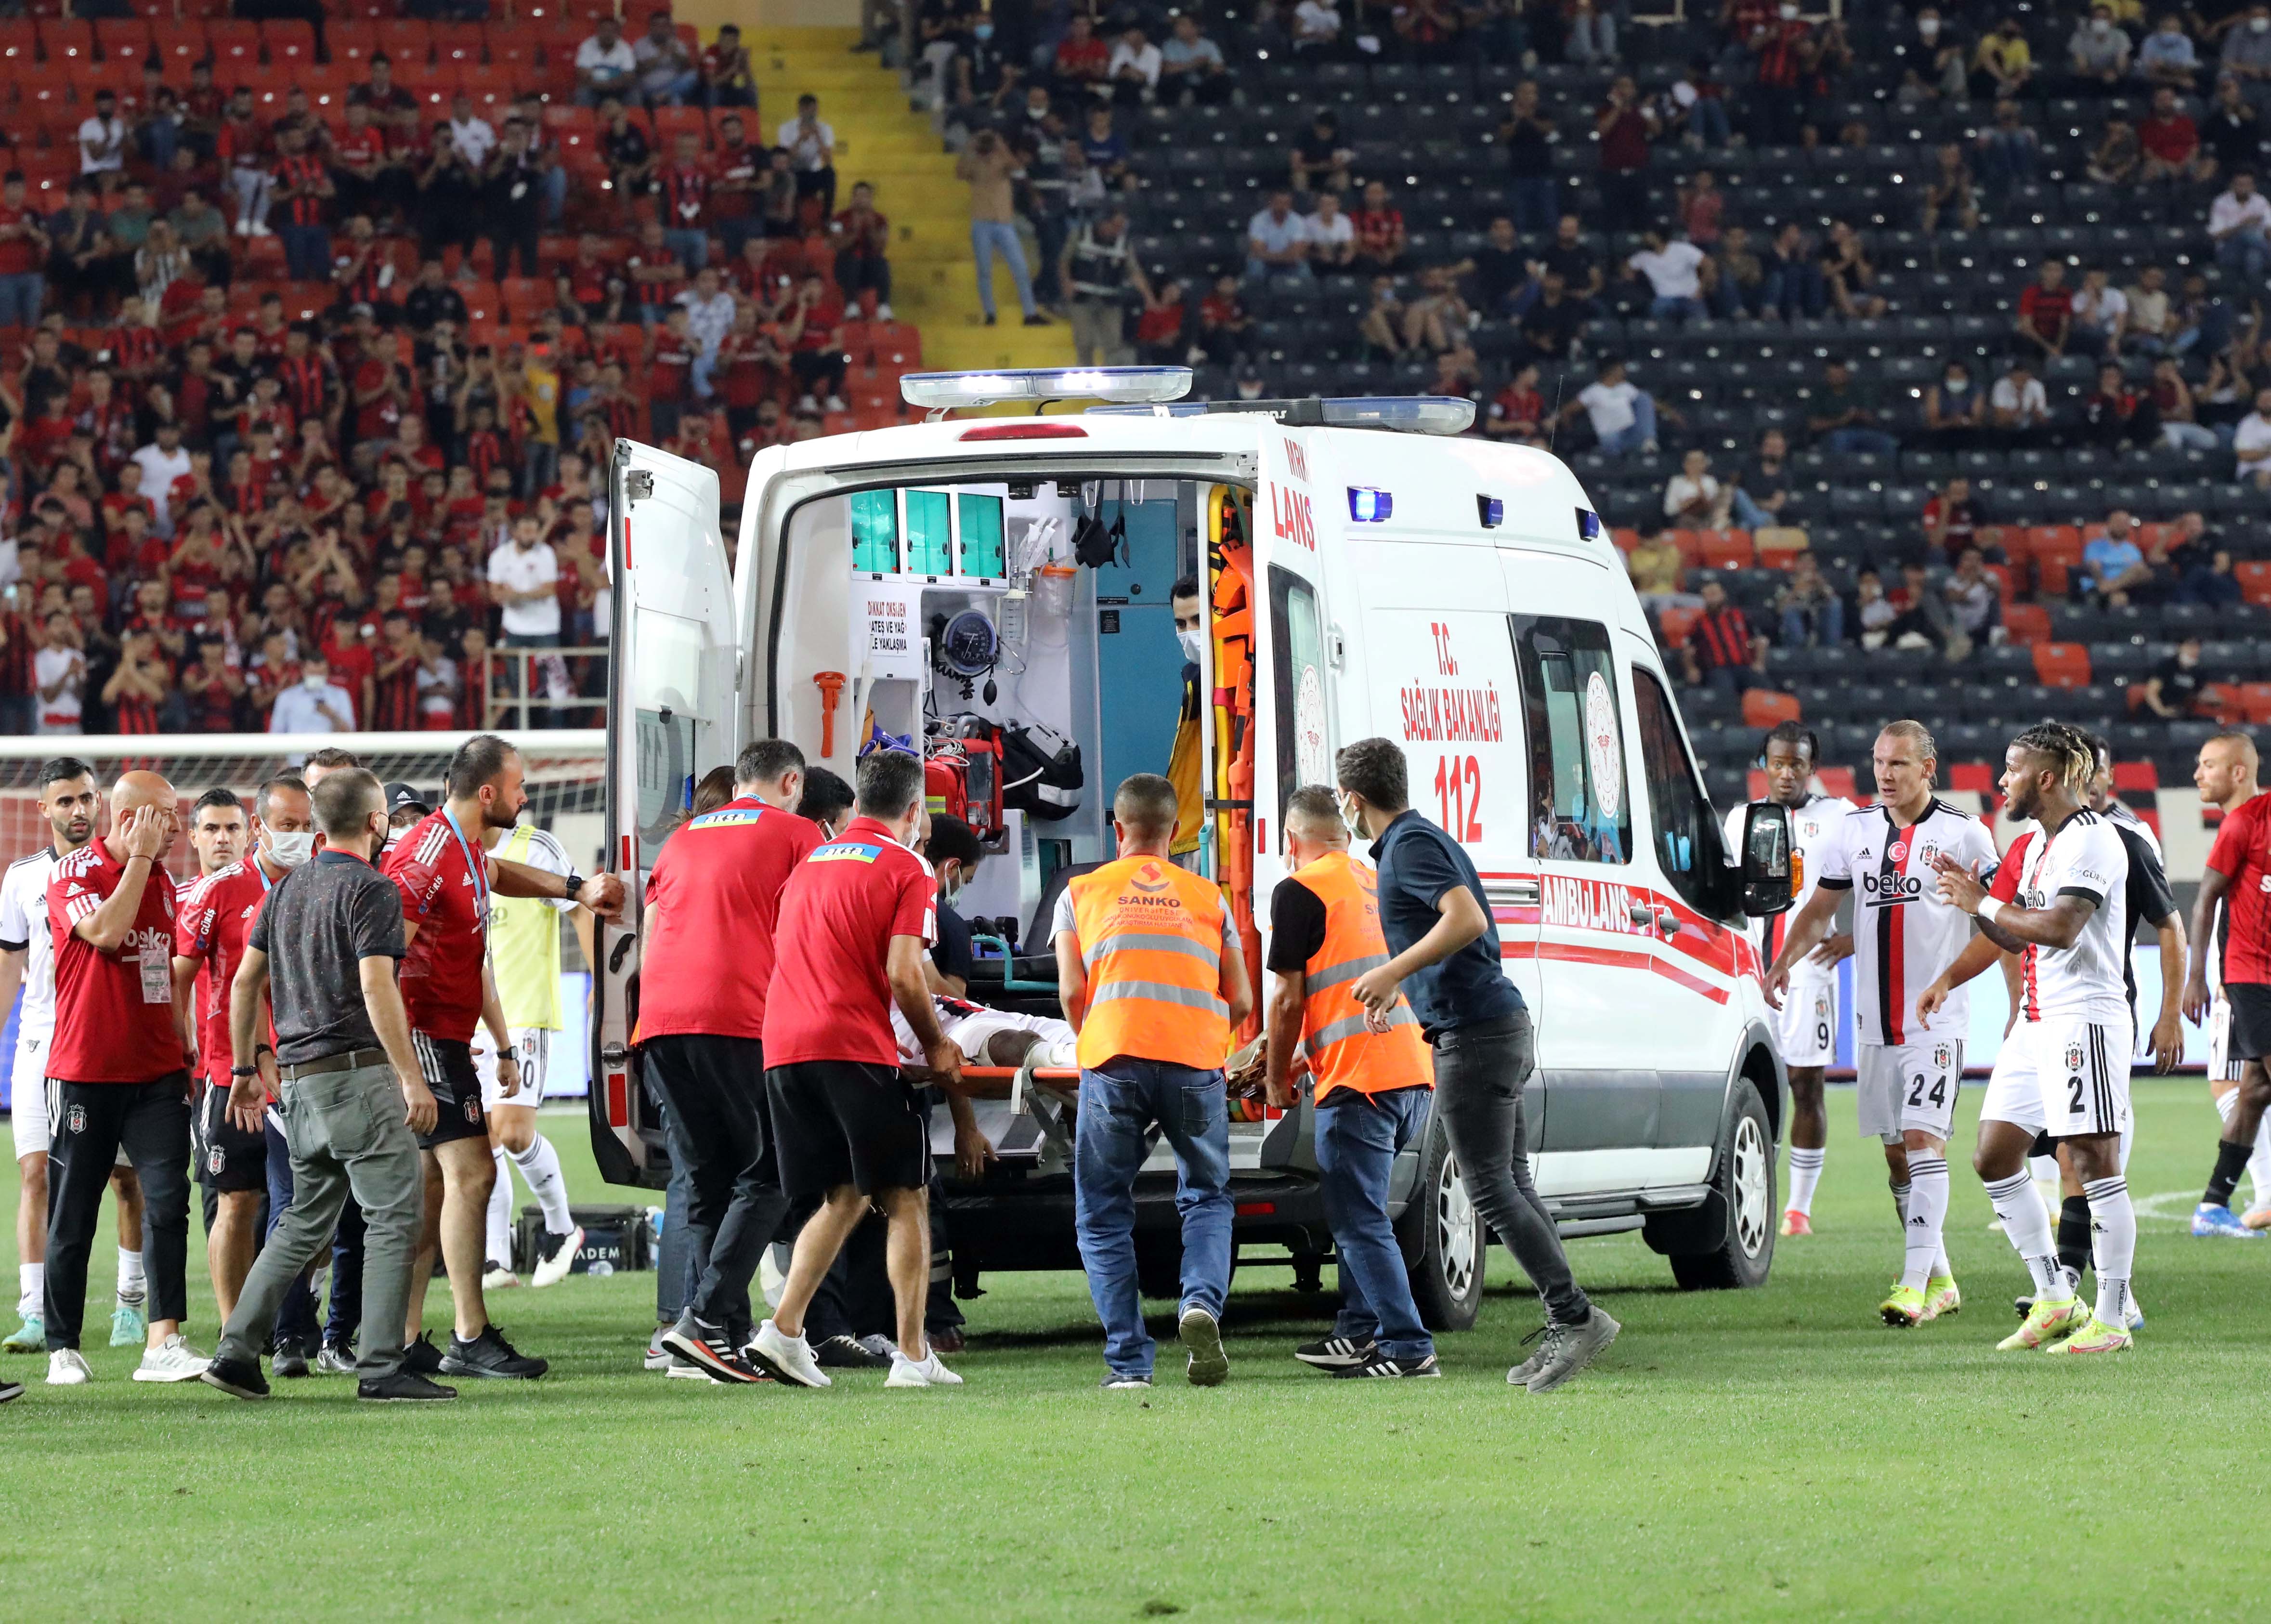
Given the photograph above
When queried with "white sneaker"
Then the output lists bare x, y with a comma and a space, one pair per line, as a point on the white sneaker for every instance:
552, 1269
923, 1372
498, 1277
171, 1360
66, 1368
884, 311
788, 1358
836, 403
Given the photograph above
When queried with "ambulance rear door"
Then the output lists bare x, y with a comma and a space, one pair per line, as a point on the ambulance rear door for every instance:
672, 716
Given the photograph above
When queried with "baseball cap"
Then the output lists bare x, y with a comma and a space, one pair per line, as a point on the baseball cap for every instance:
400, 795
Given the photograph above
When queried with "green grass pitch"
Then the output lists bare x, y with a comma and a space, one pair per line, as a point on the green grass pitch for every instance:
1773, 1454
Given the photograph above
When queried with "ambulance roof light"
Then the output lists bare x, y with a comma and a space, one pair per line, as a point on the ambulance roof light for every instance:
1129, 386
1405, 414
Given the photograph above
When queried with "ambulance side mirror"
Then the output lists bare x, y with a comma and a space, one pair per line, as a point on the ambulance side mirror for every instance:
1769, 867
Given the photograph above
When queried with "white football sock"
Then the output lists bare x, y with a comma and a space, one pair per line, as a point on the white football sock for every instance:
30, 1288
1805, 1178
499, 1245
539, 1166
132, 1288
2113, 1245
1927, 1215
2027, 1228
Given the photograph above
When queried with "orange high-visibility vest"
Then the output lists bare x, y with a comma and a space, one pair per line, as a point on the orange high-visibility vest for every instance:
1151, 937
1342, 1051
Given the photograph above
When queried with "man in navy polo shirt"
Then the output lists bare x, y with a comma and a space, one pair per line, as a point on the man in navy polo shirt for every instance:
1437, 920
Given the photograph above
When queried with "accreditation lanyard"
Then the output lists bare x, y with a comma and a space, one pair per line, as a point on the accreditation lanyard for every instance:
479, 870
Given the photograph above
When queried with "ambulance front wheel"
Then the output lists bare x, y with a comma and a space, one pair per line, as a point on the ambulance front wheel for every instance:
1727, 1243
1443, 1239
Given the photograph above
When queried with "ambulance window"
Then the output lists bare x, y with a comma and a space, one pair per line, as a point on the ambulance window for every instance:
1305, 749
1687, 835
1576, 741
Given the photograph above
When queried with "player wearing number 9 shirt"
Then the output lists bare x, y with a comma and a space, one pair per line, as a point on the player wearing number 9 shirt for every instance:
1805, 1026
1904, 934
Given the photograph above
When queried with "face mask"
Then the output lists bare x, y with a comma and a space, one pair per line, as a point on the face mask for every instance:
1957, 386
2257, 25
1347, 804
1191, 645
289, 851
1790, 13
2099, 24
314, 683
984, 31
1927, 26
956, 886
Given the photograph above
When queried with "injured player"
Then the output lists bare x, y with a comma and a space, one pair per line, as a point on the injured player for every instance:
990, 1037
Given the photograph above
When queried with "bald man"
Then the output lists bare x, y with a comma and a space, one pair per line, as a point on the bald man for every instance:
118, 1073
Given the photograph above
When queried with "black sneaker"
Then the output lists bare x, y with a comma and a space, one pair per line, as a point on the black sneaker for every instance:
291, 1362
709, 1347
239, 1376
846, 1353
11, 1390
404, 1387
1378, 1364
336, 1359
421, 1357
489, 1355
1333, 1352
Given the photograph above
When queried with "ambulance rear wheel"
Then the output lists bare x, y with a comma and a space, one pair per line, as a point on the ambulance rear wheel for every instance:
1444, 1239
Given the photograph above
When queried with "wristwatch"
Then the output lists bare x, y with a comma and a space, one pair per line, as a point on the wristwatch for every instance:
572, 886
244, 1071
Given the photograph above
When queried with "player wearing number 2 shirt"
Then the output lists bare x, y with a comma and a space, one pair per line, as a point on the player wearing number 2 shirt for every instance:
1904, 934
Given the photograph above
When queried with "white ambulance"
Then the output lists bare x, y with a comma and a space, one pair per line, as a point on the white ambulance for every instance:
1364, 570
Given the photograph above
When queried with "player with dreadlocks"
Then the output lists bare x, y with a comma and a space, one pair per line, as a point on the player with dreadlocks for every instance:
2065, 1069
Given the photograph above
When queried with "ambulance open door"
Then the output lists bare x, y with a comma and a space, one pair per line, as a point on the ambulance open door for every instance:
673, 714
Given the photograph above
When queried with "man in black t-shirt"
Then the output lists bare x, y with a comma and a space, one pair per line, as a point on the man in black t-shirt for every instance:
2178, 688
1500, 269
954, 854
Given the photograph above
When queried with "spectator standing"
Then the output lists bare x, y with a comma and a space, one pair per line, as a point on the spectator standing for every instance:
524, 579
59, 676
862, 263
1099, 272
1722, 651
315, 704
23, 250
987, 165
1780, 47
811, 145
322, 954
103, 137
702, 1032
1625, 128
118, 1074
1527, 136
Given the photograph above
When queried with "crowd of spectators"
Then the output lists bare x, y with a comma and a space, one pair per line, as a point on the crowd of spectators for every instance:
306, 412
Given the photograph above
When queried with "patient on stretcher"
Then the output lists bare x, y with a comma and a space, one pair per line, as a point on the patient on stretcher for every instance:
990, 1037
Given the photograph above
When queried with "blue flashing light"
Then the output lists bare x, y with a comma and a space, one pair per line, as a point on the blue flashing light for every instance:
1589, 525
1491, 510
1369, 506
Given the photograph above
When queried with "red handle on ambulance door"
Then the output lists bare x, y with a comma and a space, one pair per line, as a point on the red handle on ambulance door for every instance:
830, 684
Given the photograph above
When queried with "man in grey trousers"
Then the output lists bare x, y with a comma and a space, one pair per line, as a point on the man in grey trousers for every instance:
1437, 922
323, 951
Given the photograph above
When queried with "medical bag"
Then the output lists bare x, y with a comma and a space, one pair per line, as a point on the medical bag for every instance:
962, 772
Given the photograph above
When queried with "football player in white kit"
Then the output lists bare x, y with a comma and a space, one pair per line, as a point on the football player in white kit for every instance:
2225, 777
2065, 1070
67, 799
1805, 1026
1905, 934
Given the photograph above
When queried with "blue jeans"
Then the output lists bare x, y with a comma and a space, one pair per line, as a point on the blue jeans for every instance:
1749, 514
1642, 430
674, 91
1827, 623
555, 195
1795, 290
690, 243
1118, 1107
307, 252
1298, 272
988, 239
1536, 205
1358, 1138
2244, 253
1675, 310
21, 298
1708, 118
1852, 442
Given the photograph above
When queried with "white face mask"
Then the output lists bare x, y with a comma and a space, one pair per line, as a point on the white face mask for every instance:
2099, 24
1790, 13
956, 885
1927, 26
289, 850
1349, 815
1192, 648
315, 681
2257, 25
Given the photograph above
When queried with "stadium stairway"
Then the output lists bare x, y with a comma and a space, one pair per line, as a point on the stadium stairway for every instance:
880, 139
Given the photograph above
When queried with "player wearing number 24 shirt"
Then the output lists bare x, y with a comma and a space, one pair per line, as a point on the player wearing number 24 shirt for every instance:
1905, 934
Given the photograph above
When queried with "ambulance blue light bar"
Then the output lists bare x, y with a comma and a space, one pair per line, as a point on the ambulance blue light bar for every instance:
1128, 385
1369, 506
1407, 415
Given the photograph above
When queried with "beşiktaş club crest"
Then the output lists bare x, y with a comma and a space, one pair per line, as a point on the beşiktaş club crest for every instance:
214, 1158
77, 1121
1926, 853
2073, 1056
1942, 1056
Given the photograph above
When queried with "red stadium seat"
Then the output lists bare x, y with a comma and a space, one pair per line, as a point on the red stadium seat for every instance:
1625, 539
2254, 576
127, 37
351, 44
670, 123
2027, 623
235, 44
2255, 702
1973, 777
2139, 776
1726, 549
63, 40
407, 40
19, 46
462, 43
1675, 624
1838, 781
2062, 665
1762, 707
288, 39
